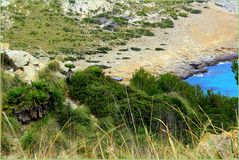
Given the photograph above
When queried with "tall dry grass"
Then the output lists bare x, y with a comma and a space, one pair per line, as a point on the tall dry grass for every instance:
104, 143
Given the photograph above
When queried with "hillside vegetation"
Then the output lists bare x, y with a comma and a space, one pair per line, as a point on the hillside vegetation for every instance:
70, 113
113, 120
37, 25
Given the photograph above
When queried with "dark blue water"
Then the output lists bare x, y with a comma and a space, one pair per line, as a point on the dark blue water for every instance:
219, 79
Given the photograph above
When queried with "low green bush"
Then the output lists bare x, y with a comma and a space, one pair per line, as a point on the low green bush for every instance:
235, 69
166, 23
31, 102
183, 14
195, 11
174, 15
135, 49
159, 49
107, 98
144, 81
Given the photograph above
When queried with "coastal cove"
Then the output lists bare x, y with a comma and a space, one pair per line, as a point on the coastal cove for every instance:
218, 78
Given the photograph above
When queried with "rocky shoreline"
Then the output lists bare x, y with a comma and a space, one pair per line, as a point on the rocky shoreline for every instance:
201, 67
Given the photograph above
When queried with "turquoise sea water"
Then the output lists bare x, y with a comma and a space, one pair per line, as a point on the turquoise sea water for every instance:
219, 79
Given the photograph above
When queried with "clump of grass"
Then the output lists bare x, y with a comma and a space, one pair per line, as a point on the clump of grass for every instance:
135, 49
159, 49
70, 65
103, 50
195, 11
126, 58
124, 50
174, 15
183, 14
53, 66
166, 23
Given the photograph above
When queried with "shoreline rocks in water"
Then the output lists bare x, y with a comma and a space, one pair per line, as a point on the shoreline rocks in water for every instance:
200, 67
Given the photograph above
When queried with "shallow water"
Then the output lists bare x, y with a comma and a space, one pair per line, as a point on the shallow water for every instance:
219, 79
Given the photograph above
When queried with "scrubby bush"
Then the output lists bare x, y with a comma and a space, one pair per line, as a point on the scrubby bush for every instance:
195, 11
95, 90
120, 20
174, 15
69, 65
166, 23
159, 49
235, 69
183, 14
42, 135
135, 49
144, 81
128, 105
31, 102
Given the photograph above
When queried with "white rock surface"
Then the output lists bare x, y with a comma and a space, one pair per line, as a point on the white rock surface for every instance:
85, 7
71, 103
28, 65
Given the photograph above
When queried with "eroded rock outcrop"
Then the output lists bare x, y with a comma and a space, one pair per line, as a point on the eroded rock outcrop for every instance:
22, 64
224, 145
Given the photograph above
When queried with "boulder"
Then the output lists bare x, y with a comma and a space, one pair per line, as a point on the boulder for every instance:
222, 145
20, 73
71, 103
25, 65
22, 58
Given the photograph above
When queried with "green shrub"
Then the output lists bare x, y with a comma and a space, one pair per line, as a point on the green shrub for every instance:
144, 81
149, 99
103, 49
195, 11
69, 65
135, 49
120, 20
141, 13
15, 94
42, 134
166, 23
159, 49
31, 102
148, 33
235, 69
174, 15
88, 87
183, 14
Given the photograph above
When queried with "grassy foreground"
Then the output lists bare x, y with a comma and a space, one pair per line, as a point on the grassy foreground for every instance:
155, 117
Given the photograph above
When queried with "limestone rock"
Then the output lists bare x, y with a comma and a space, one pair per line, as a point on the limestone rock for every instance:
71, 103
85, 7
20, 73
22, 58
219, 146
26, 64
